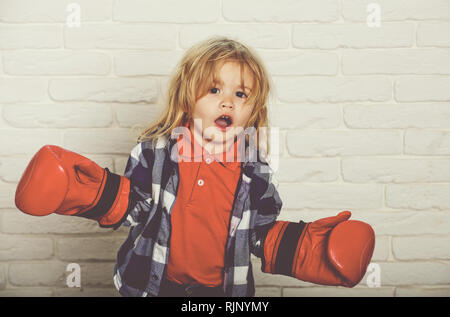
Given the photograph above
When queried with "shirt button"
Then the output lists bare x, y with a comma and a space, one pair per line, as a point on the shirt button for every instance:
208, 160
200, 182
154, 277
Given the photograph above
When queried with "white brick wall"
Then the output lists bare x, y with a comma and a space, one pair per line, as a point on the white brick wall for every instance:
363, 112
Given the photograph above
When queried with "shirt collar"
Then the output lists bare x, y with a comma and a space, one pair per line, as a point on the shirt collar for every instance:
249, 162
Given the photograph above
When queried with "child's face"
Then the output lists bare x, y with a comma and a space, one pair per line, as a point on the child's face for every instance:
225, 98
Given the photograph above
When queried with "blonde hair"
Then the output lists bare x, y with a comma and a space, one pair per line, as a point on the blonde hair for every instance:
194, 76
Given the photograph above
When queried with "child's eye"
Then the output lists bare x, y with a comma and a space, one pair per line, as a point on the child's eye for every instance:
241, 94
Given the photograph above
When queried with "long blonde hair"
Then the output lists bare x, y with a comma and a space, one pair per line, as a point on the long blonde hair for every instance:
194, 76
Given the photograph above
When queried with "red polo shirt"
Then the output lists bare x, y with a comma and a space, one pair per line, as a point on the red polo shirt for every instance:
201, 214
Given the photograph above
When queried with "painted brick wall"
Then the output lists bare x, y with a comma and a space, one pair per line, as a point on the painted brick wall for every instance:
364, 116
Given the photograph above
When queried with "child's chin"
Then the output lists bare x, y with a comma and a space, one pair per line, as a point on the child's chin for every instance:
220, 135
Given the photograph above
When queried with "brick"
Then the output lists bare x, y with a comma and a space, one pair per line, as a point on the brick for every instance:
398, 10
18, 222
298, 116
339, 196
414, 273
26, 292
281, 145
395, 170
267, 292
397, 61
338, 292
428, 88
86, 292
11, 169
97, 274
11, 89
255, 35
276, 144
2, 277
121, 36
281, 11
31, 140
30, 36
172, 11
56, 63
430, 291
427, 142
58, 115
400, 223
145, 63
382, 249
104, 89
131, 115
343, 143
96, 248
392, 223
418, 196
22, 248
7, 193
332, 36
300, 63
413, 115
333, 89
421, 248
37, 274
56, 273
115, 141
433, 34
53, 10
3, 123
317, 170
120, 164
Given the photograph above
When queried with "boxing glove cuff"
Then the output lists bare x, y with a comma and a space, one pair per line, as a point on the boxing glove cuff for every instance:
281, 246
112, 201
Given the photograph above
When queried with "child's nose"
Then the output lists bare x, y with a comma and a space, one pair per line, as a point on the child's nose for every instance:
227, 104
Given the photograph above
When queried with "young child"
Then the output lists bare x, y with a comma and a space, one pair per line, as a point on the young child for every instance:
197, 192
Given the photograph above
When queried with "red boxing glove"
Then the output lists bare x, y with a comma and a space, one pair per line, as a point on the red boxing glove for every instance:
329, 251
63, 182
350, 248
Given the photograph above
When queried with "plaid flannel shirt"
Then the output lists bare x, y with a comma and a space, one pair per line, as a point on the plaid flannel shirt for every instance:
143, 257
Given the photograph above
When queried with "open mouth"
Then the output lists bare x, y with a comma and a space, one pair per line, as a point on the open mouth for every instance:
223, 121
